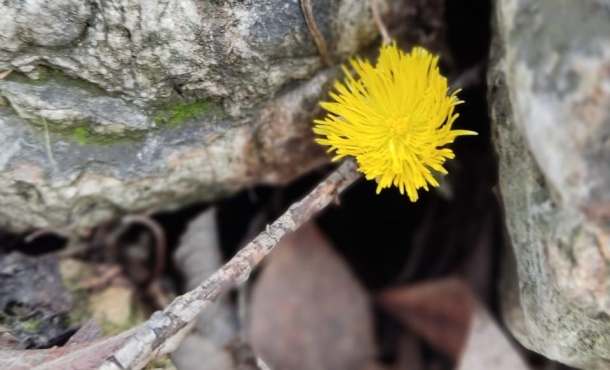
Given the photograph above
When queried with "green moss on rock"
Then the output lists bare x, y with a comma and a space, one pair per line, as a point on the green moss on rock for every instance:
30, 325
176, 114
84, 135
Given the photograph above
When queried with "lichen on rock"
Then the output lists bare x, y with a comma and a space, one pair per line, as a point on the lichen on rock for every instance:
135, 106
550, 105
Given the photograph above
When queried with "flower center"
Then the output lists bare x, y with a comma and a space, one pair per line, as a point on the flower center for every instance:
398, 125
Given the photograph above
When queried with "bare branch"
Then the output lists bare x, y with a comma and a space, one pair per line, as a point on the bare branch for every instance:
164, 331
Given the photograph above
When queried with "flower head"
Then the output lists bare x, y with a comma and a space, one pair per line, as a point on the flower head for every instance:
394, 117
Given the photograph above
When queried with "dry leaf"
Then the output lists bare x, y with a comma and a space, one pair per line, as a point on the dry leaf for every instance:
3, 74
74, 272
308, 310
439, 311
199, 353
487, 346
112, 306
197, 257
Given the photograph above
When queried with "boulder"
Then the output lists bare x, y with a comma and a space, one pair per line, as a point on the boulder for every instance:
123, 106
549, 89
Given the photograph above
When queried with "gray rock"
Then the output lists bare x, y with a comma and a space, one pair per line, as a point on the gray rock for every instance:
76, 179
123, 106
550, 105
33, 300
239, 51
74, 107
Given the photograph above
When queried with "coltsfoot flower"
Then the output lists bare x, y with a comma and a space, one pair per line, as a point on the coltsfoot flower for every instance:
394, 118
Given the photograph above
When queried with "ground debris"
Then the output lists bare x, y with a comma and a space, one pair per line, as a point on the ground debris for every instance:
33, 300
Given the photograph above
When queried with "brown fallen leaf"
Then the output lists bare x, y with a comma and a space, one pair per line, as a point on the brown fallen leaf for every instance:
439, 311
308, 311
3, 74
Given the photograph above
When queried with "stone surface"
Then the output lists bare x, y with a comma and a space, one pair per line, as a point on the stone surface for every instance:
550, 105
34, 303
124, 106
147, 51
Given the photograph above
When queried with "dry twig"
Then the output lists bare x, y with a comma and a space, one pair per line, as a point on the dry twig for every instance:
383, 30
99, 281
159, 240
318, 38
163, 332
44, 232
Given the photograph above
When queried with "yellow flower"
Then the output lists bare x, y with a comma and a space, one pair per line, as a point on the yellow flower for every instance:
395, 118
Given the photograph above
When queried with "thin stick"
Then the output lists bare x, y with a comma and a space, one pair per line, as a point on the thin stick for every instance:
379, 22
159, 240
41, 232
318, 38
164, 331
